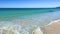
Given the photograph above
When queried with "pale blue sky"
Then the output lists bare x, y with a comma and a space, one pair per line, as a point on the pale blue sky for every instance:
29, 3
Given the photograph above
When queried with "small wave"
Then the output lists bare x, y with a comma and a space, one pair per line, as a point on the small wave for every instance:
8, 27
55, 21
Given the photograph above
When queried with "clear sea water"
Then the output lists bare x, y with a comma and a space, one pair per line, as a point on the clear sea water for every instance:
28, 18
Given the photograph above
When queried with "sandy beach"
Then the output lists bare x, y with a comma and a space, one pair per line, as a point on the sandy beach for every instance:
52, 28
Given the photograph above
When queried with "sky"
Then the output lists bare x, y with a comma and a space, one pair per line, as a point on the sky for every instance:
29, 3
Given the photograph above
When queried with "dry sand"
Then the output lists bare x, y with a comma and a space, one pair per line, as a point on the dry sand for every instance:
52, 28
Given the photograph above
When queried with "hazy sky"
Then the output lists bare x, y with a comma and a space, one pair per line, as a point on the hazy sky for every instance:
29, 3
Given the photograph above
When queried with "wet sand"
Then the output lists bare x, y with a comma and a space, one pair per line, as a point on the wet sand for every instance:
52, 28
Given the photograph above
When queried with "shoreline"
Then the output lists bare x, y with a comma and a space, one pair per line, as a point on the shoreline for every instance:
52, 28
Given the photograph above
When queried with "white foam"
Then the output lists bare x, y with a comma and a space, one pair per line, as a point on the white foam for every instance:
8, 25
53, 22
37, 31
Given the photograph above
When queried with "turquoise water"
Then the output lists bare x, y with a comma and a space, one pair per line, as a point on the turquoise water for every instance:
28, 18
14, 12
34, 14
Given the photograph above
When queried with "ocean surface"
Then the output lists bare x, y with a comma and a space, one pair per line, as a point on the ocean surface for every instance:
26, 19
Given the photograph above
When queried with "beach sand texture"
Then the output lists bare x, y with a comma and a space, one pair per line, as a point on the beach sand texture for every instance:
52, 28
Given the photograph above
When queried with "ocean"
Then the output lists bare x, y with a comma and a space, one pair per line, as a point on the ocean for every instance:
26, 19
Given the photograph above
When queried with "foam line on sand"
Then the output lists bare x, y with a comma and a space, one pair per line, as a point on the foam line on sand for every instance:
53, 22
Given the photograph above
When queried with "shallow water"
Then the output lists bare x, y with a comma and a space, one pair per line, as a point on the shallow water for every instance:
26, 23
